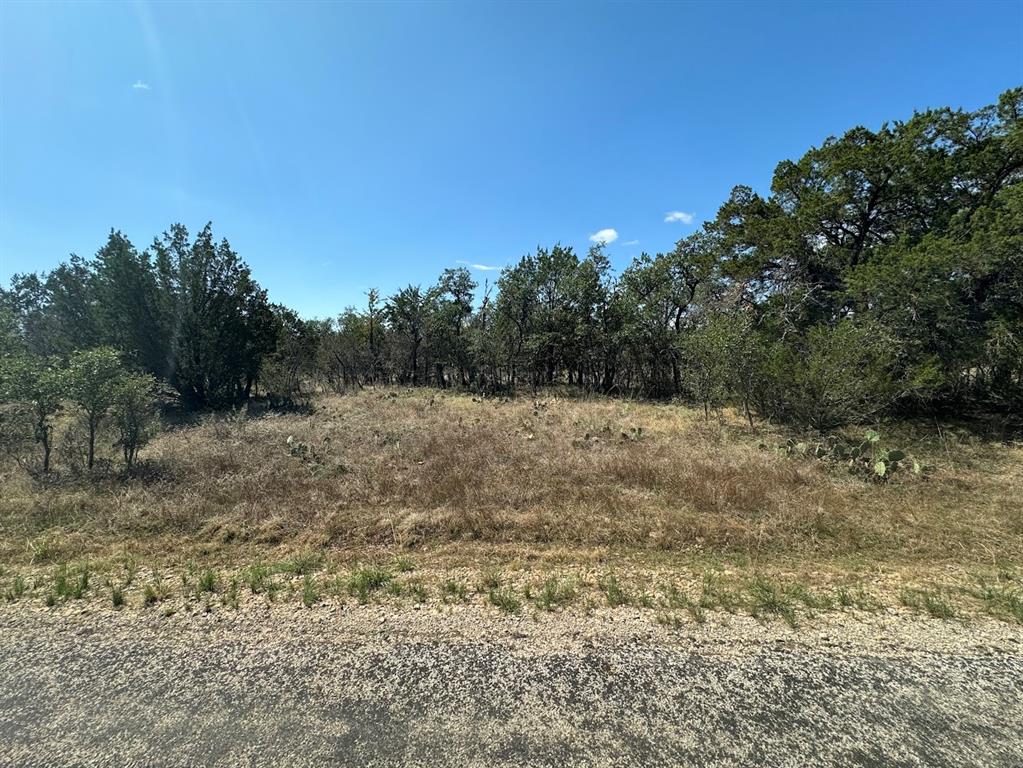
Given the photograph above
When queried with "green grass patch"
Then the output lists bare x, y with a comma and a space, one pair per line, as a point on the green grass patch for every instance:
365, 581
505, 600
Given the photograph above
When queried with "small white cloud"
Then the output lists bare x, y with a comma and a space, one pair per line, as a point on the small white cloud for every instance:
631, 242
138, 85
604, 236
483, 267
685, 218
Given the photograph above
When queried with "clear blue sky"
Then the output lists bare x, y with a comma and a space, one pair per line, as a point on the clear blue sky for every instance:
343, 146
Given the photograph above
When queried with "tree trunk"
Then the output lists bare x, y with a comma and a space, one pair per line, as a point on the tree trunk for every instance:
92, 442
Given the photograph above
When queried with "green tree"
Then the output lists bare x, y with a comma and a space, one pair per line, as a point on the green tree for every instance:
94, 379
407, 312
134, 414
37, 385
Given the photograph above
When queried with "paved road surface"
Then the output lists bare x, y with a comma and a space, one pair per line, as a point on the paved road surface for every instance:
363, 689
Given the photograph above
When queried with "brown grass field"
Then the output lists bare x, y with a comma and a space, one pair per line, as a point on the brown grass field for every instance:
462, 485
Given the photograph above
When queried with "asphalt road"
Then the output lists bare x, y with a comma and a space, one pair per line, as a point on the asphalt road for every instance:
138, 689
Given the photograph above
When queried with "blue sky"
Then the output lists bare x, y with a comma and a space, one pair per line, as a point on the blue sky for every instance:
344, 146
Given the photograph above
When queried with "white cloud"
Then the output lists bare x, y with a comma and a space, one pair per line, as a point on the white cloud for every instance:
685, 218
483, 267
138, 85
631, 242
604, 236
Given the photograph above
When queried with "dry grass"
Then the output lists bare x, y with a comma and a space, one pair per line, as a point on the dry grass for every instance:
419, 469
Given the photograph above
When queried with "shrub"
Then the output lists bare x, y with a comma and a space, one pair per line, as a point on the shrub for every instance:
134, 411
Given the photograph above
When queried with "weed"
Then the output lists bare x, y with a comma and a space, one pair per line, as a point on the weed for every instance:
71, 584
153, 592
505, 600
310, 593
490, 580
614, 592
812, 600
206, 583
302, 564
1000, 601
555, 593
768, 598
417, 591
857, 598
117, 596
230, 598
928, 601
365, 581
260, 580
403, 565
393, 588
43, 550
716, 595
16, 590
453, 591
669, 620
678, 599
130, 570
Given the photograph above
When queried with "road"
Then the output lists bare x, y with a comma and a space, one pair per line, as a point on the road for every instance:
369, 687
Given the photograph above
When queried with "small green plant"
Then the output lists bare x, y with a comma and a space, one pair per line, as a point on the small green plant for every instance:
678, 599
489, 581
130, 570
260, 580
71, 584
812, 600
393, 588
302, 564
453, 591
230, 598
716, 595
206, 583
766, 597
403, 565
614, 593
16, 590
43, 550
154, 592
1000, 600
505, 600
117, 596
928, 601
855, 598
554, 593
310, 592
366, 581
417, 591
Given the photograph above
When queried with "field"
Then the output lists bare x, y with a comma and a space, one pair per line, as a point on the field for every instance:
395, 494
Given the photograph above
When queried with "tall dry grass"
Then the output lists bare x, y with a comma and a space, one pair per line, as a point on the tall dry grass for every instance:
420, 468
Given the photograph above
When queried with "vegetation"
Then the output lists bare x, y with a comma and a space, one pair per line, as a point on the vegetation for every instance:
831, 373
881, 276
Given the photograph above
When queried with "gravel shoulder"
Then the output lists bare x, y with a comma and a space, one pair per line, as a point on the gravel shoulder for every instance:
369, 685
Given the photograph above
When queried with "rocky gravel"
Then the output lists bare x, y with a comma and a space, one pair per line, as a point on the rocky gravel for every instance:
467, 686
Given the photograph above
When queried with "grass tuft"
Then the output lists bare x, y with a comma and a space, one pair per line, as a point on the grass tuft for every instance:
310, 592
363, 582
613, 591
505, 600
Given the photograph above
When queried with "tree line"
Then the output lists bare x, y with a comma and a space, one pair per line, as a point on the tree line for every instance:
882, 274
